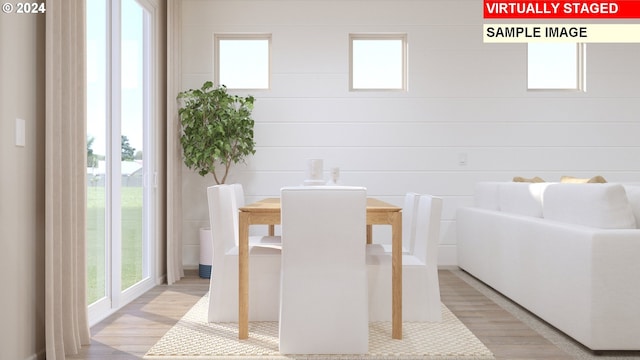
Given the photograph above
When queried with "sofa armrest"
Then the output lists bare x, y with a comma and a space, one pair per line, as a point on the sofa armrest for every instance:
615, 288
582, 280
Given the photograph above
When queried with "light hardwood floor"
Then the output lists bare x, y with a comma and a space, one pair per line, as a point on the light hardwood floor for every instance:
506, 336
130, 332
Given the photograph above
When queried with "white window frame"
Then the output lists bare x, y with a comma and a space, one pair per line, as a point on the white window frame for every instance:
116, 297
216, 58
580, 59
398, 36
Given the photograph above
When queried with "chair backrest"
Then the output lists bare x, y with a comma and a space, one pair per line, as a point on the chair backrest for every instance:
239, 191
427, 232
322, 219
408, 220
223, 218
323, 301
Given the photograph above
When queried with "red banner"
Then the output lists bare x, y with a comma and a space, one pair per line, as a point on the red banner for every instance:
589, 9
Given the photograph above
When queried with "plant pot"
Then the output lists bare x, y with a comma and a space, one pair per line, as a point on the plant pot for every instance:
206, 253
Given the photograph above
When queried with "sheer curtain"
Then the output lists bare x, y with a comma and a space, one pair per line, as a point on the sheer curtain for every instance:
66, 326
175, 270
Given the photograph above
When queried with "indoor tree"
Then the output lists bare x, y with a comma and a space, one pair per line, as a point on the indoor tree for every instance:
217, 130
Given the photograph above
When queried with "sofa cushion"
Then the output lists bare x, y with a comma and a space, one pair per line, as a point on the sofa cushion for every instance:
486, 195
596, 205
633, 195
521, 198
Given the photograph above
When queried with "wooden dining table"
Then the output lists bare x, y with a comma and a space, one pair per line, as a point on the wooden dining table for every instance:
267, 212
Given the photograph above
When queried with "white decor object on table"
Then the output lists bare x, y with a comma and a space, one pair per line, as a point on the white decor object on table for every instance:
315, 172
335, 176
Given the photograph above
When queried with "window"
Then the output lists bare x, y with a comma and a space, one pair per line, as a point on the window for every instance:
242, 61
378, 61
120, 157
556, 66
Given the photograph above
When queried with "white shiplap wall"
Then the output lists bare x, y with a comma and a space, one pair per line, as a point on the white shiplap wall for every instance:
464, 97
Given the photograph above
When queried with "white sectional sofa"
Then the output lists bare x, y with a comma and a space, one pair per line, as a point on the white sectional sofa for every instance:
569, 253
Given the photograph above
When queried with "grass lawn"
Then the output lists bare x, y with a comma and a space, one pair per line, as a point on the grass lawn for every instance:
131, 240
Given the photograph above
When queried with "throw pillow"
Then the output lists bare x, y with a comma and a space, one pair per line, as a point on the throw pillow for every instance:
573, 180
602, 206
531, 180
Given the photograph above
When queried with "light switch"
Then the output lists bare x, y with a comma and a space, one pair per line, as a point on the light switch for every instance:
462, 159
20, 132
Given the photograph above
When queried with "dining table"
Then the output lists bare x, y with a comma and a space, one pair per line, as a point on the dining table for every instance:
267, 212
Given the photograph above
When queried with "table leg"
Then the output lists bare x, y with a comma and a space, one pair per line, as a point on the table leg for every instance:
396, 275
243, 273
369, 234
272, 230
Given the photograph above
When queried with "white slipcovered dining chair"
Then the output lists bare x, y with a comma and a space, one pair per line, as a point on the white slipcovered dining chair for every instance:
420, 284
323, 301
264, 259
408, 227
273, 241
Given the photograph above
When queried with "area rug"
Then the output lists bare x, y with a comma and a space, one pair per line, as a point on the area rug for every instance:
194, 338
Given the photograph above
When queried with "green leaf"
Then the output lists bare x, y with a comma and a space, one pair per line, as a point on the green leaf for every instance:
217, 128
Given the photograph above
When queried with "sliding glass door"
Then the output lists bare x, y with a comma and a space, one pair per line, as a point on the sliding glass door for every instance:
120, 175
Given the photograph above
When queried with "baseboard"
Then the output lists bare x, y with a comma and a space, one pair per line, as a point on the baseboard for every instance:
448, 267
41, 355
447, 255
161, 279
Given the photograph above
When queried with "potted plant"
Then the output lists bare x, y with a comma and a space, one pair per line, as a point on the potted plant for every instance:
217, 130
